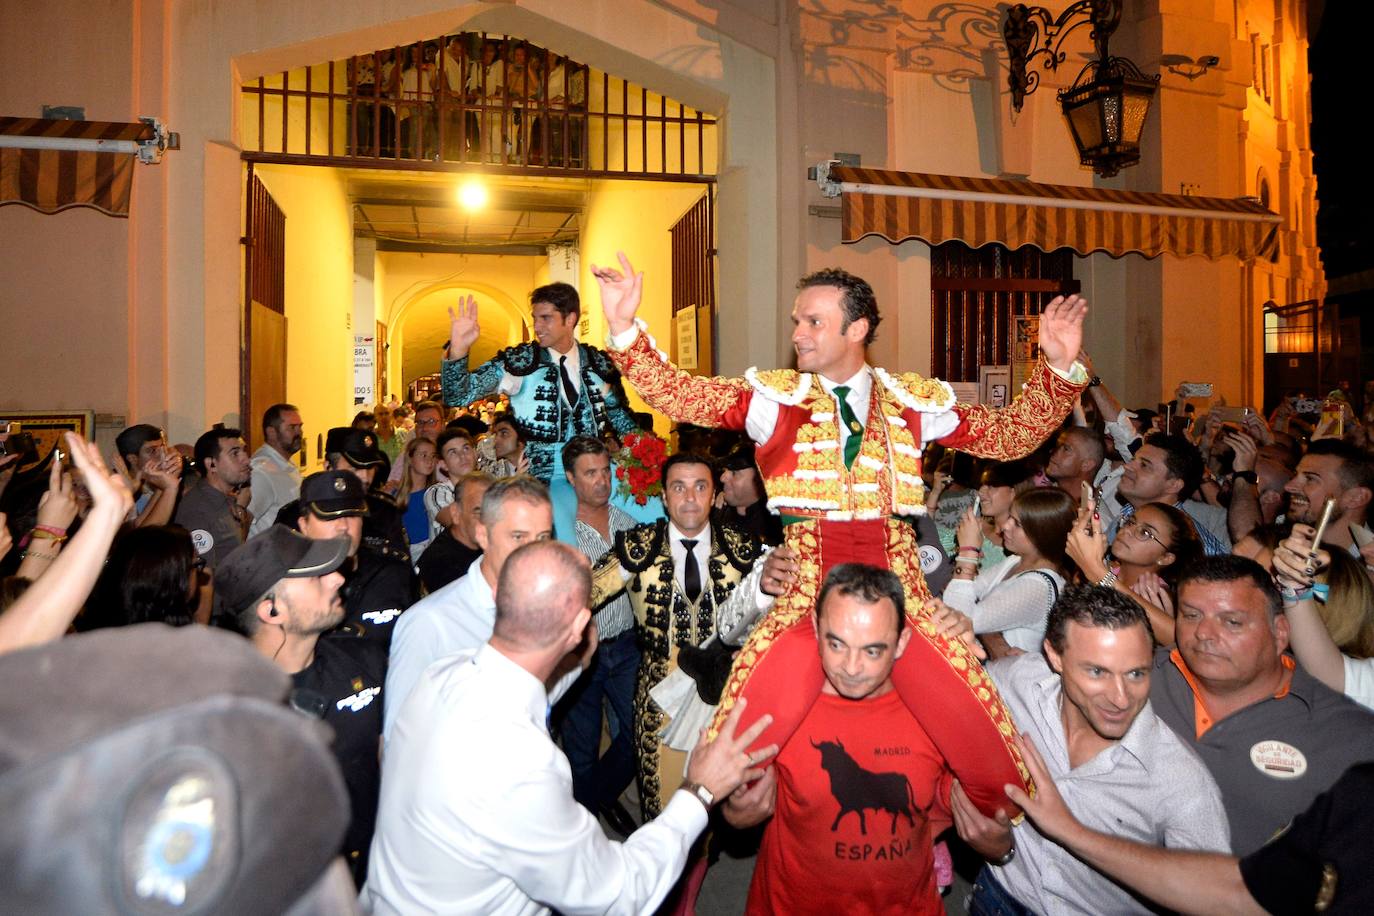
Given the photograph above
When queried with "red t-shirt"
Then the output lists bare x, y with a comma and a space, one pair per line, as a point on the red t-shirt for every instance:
858, 786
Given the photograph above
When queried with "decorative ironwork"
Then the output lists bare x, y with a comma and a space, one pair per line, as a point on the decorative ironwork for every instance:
1107, 104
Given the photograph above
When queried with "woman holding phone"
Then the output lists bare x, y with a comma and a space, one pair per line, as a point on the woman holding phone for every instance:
1151, 548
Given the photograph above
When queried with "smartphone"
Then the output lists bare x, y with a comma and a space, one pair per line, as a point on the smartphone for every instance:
1327, 511
1233, 414
1195, 390
1087, 497
1306, 405
977, 505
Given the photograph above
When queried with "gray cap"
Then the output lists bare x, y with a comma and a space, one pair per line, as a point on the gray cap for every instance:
153, 770
251, 569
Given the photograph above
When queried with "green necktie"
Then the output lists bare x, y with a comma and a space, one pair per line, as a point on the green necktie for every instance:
853, 427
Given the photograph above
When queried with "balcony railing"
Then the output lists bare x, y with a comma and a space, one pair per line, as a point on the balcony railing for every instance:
474, 99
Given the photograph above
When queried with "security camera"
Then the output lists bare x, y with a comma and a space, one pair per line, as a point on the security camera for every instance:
1211, 60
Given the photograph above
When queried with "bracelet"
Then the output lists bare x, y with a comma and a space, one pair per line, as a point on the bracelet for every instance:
49, 557
55, 532
1293, 596
972, 551
1005, 858
973, 560
1107, 581
43, 533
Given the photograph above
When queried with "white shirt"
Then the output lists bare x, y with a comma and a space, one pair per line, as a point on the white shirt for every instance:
456, 617
276, 481
477, 813
1359, 680
1017, 607
1148, 787
510, 384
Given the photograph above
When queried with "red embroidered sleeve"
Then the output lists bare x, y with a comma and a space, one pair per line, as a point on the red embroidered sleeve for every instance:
685, 398
1016, 431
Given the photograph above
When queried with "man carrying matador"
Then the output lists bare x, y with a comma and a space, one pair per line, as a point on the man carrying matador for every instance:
839, 446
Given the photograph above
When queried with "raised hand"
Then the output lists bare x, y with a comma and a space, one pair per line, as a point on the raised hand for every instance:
57, 507
723, 764
1061, 330
109, 490
779, 571
620, 293
462, 327
953, 624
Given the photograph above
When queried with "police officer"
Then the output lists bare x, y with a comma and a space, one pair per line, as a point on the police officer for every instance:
356, 450
377, 587
281, 591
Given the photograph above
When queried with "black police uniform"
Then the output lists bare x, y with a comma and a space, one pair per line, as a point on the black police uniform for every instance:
382, 528
343, 686
376, 593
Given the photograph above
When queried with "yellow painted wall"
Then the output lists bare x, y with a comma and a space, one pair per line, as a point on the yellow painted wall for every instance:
635, 217
319, 295
416, 291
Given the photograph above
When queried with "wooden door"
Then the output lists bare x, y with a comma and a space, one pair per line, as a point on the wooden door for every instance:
263, 365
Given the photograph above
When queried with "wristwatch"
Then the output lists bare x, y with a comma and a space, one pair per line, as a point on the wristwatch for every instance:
1006, 857
1249, 476
700, 793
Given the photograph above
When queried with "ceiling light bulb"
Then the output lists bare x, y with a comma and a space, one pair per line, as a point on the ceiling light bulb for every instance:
472, 195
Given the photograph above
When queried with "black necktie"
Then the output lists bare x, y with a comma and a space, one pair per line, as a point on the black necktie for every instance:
691, 573
568, 387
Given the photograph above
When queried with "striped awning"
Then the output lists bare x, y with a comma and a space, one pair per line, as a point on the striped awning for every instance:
52, 179
976, 211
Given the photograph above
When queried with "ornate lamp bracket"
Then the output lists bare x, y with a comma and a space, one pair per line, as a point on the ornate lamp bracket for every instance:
1033, 32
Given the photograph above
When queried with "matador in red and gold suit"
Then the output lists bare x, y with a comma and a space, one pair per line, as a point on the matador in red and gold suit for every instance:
846, 501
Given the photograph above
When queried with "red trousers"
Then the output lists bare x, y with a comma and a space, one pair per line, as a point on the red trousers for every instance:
779, 672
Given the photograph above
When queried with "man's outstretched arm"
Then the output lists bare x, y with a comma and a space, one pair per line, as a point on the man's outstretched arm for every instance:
1050, 393
1189, 882
461, 387
715, 402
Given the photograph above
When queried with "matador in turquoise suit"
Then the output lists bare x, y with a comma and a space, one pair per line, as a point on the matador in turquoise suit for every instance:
558, 388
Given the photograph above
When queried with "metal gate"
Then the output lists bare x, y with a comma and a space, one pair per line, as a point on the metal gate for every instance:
694, 280
976, 294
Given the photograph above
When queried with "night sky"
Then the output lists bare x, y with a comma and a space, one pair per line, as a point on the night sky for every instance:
1339, 34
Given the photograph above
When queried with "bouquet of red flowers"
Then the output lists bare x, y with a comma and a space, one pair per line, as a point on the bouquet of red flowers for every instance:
638, 466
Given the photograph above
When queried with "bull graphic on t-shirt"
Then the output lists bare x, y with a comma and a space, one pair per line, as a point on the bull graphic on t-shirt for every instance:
856, 789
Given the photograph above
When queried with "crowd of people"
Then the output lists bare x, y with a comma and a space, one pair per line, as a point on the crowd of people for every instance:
472, 98
858, 625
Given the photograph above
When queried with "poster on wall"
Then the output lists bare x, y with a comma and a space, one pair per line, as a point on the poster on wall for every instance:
1025, 348
34, 433
364, 369
685, 322
994, 385
965, 392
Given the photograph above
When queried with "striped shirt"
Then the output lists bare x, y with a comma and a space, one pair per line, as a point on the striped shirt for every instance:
617, 617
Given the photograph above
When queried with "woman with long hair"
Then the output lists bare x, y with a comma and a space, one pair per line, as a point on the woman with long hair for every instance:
1152, 547
1014, 597
1328, 601
418, 464
152, 576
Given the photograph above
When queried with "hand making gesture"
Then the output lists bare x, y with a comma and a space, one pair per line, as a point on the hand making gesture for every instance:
463, 328
1061, 330
620, 294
